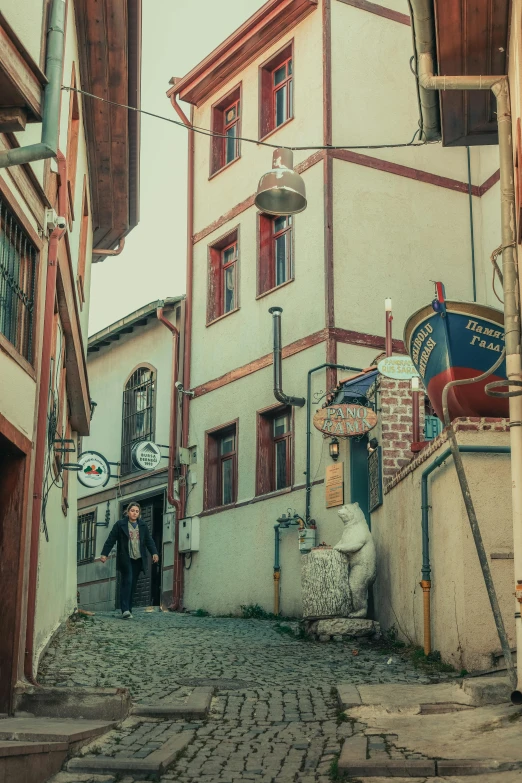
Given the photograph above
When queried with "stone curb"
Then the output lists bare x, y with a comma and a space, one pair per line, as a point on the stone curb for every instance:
196, 707
28, 748
475, 767
348, 696
390, 768
110, 704
155, 764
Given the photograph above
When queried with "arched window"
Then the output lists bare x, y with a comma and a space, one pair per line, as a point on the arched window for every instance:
138, 413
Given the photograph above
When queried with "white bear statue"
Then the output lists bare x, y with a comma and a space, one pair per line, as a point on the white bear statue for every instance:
357, 544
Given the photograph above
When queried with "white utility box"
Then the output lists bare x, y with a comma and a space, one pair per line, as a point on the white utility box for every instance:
307, 538
189, 534
168, 527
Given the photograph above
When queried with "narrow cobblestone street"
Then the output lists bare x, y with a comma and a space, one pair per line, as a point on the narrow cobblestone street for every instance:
273, 718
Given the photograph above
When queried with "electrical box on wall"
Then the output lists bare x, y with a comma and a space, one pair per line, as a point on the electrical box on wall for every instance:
189, 534
307, 539
168, 527
184, 456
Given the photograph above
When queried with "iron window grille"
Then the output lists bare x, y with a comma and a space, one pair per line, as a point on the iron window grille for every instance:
86, 537
18, 265
138, 414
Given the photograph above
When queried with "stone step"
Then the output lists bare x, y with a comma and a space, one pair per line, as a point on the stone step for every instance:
30, 761
154, 764
84, 703
52, 730
195, 707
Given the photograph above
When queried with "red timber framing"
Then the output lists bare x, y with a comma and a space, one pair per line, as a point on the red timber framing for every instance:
331, 345
15, 450
335, 335
379, 10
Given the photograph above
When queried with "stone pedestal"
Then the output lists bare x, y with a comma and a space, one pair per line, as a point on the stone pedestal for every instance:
324, 584
340, 629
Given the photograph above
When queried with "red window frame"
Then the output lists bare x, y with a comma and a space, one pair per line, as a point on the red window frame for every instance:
267, 256
214, 462
225, 266
217, 274
72, 144
82, 249
218, 143
266, 478
289, 108
267, 90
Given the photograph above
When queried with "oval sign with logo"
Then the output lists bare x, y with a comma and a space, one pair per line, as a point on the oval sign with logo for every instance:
146, 455
95, 471
399, 368
345, 421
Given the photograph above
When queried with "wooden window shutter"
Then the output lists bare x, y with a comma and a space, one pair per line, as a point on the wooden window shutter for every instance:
214, 284
265, 264
217, 141
266, 109
264, 455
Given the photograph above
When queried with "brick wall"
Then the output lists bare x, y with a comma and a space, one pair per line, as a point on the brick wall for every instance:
396, 425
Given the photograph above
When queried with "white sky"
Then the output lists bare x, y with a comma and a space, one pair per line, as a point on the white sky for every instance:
177, 34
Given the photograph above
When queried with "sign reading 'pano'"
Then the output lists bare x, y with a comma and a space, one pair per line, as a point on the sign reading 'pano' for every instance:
345, 421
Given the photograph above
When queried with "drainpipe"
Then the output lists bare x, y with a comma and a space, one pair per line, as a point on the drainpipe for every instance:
48, 146
277, 569
173, 439
309, 427
296, 402
41, 426
116, 252
499, 86
187, 330
426, 566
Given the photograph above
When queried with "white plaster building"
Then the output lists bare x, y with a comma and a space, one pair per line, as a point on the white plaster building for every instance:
68, 197
379, 223
130, 367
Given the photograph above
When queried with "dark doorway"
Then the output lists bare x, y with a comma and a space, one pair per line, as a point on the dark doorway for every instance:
359, 486
148, 590
12, 510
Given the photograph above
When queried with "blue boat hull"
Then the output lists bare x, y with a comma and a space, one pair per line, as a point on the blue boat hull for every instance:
463, 342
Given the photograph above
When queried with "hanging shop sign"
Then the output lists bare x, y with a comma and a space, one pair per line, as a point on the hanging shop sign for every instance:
399, 368
146, 455
345, 421
334, 485
94, 469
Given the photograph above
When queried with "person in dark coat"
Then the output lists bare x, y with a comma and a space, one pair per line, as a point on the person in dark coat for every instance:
132, 538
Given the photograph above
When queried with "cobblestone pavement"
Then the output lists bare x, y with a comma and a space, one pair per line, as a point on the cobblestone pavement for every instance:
274, 717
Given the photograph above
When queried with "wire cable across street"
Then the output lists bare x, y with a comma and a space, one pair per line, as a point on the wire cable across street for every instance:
207, 132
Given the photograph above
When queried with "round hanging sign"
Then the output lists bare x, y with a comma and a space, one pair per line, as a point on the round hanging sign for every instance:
146, 455
95, 471
399, 368
345, 421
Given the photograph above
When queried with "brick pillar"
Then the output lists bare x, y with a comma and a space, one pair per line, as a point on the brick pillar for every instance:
397, 425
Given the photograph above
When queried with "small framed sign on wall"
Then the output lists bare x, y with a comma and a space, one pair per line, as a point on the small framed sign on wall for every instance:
375, 479
334, 485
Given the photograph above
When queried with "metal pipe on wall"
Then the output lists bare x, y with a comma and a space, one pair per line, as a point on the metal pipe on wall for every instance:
296, 402
425, 506
48, 146
499, 86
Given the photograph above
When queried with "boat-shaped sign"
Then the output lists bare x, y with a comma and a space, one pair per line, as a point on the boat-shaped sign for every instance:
345, 421
400, 368
462, 340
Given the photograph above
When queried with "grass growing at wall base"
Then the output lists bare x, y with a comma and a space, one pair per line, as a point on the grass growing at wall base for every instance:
432, 663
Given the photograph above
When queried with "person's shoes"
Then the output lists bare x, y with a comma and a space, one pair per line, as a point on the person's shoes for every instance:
130, 616
126, 615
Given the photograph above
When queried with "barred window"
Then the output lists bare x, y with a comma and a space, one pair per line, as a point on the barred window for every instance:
138, 414
86, 537
18, 260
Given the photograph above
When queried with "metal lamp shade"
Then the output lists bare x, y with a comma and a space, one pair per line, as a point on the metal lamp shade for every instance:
281, 191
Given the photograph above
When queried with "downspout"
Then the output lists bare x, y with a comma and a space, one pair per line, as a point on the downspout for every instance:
187, 329
426, 566
277, 569
499, 86
326, 366
41, 426
173, 439
116, 252
296, 402
48, 147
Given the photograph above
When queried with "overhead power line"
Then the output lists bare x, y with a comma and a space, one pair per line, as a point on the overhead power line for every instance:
208, 132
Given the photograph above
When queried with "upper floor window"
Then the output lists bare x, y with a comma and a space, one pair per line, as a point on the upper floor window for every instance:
274, 450
18, 265
221, 466
226, 121
275, 263
223, 276
277, 91
138, 414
